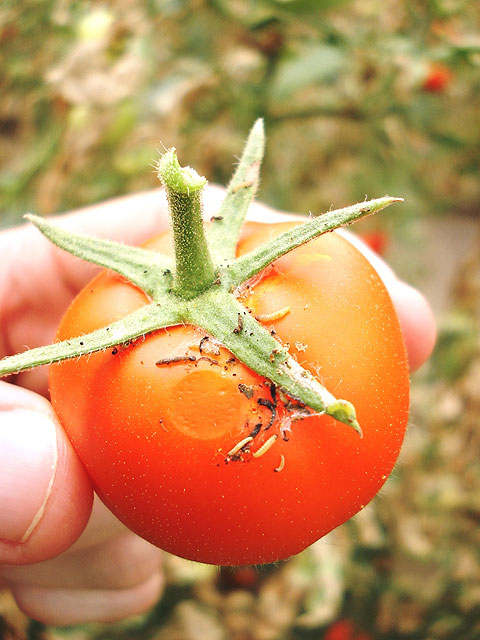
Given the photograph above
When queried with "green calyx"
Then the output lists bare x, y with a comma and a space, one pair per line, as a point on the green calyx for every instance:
198, 286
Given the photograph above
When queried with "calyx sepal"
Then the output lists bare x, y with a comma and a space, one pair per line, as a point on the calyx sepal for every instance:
199, 286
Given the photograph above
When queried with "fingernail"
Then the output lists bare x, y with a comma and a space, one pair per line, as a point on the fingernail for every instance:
28, 459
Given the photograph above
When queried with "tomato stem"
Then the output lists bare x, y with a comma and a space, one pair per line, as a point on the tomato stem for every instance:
218, 312
194, 267
201, 290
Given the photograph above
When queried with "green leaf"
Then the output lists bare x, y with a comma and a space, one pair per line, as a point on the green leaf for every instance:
252, 263
147, 269
142, 321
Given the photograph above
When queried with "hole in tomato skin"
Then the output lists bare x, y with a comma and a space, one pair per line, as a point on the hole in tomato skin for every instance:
183, 382
208, 404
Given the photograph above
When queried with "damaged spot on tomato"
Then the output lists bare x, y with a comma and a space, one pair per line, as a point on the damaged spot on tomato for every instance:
246, 390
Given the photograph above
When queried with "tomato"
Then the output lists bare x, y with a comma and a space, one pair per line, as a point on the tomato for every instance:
340, 630
438, 78
377, 240
345, 630
157, 436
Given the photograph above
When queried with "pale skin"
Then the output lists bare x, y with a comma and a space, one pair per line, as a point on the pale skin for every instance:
63, 562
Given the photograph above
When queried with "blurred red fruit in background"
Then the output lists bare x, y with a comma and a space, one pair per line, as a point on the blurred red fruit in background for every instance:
438, 78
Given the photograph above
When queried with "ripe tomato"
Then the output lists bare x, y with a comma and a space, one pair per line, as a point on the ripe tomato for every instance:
156, 437
345, 630
377, 240
438, 78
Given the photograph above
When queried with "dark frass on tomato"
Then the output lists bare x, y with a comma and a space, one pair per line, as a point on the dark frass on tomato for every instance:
188, 441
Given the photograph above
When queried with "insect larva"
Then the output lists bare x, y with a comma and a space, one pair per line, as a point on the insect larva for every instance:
239, 446
175, 360
242, 185
208, 359
202, 342
265, 447
282, 463
270, 404
276, 315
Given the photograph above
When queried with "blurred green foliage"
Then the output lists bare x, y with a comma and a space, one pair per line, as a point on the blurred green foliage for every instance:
359, 98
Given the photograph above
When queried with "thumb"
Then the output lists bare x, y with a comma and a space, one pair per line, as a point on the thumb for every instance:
45, 494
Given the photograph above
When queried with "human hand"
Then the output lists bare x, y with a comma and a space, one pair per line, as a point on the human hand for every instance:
45, 495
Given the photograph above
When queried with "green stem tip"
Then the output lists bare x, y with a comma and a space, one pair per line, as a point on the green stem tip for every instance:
183, 180
194, 267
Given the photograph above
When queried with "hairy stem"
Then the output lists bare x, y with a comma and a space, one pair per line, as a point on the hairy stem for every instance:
194, 267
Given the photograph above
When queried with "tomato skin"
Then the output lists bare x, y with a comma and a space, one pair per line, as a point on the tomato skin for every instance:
155, 439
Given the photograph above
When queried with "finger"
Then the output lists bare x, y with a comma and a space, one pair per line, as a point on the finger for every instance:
39, 280
120, 563
45, 494
102, 527
416, 321
414, 313
71, 606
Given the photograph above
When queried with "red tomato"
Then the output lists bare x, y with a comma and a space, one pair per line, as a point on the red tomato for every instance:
438, 77
345, 630
155, 439
340, 630
377, 240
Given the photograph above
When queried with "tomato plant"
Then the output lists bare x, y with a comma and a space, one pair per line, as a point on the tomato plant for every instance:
213, 436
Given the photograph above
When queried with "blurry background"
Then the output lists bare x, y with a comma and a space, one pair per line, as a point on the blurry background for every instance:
360, 98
